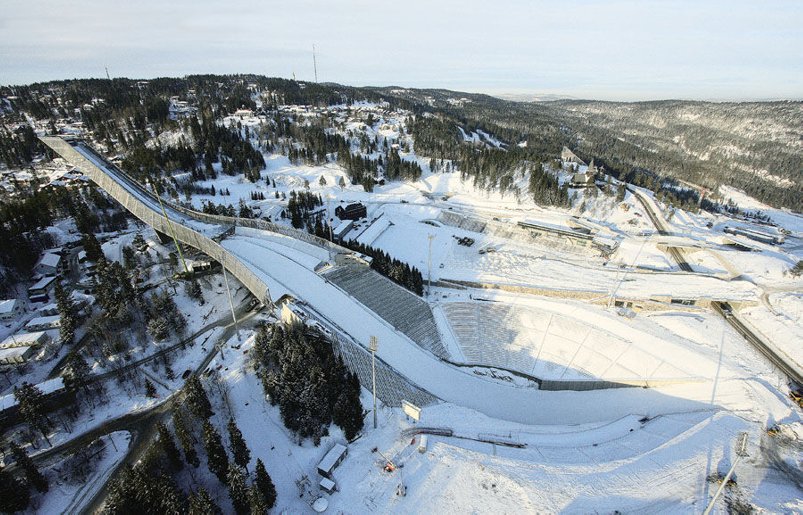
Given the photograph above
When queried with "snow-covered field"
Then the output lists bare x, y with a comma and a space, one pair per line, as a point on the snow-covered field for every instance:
650, 449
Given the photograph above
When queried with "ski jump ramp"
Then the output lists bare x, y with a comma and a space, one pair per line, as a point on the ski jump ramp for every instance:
269, 270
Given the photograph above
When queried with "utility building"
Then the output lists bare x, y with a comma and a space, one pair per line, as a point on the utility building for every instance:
351, 212
333, 458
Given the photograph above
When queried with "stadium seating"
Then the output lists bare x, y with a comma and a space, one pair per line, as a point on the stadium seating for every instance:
405, 311
391, 387
508, 336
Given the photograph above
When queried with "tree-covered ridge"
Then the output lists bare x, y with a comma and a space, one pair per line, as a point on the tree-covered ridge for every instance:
312, 387
754, 146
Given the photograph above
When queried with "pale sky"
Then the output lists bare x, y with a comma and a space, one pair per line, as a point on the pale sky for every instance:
611, 50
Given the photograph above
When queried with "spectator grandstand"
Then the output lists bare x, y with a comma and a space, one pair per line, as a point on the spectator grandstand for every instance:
406, 312
549, 346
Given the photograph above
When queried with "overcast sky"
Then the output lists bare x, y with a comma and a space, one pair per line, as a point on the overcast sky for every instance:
615, 50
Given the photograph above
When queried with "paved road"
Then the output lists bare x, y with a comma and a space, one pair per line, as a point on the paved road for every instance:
141, 425
660, 225
724, 309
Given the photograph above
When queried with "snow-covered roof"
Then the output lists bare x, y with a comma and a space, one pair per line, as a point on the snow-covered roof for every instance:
46, 387
12, 353
7, 306
49, 307
332, 457
343, 227
42, 283
51, 260
52, 320
23, 339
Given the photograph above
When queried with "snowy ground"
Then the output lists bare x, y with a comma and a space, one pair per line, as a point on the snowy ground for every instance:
633, 449
71, 495
579, 468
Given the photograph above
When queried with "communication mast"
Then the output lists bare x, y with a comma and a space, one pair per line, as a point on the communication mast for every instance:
107, 73
314, 63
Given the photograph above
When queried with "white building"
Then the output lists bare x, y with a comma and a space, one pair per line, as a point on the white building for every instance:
37, 339
49, 264
40, 291
332, 459
9, 310
16, 355
44, 323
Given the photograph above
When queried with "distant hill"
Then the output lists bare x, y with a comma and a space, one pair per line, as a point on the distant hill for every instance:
753, 146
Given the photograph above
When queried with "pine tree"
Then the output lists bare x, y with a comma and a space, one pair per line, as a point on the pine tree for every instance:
348, 412
150, 390
202, 504
196, 398
259, 506
67, 315
264, 483
239, 449
185, 438
216, 457
31, 408
169, 447
238, 492
32, 473
76, 371
14, 495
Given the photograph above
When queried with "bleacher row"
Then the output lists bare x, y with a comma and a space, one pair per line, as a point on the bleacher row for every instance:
405, 311
461, 222
509, 337
391, 387
488, 334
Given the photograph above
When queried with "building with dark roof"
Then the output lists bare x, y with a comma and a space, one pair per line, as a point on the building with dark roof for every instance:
351, 212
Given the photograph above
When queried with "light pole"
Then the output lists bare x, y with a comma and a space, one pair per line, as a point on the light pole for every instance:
430, 237
231, 304
169, 226
373, 346
741, 451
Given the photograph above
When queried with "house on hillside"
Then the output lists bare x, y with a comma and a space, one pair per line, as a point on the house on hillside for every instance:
10, 309
49, 264
351, 212
585, 179
40, 291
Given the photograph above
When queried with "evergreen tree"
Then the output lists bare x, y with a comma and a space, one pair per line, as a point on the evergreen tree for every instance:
202, 504
139, 490
193, 289
14, 495
92, 247
216, 457
31, 407
239, 449
169, 447
238, 491
76, 371
32, 473
264, 484
66, 309
185, 438
150, 390
197, 400
259, 506
348, 412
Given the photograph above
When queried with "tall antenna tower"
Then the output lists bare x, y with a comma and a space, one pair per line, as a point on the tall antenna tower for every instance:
314, 63
107, 73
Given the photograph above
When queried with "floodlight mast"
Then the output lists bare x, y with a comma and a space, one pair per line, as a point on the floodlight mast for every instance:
741, 451
169, 226
373, 346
